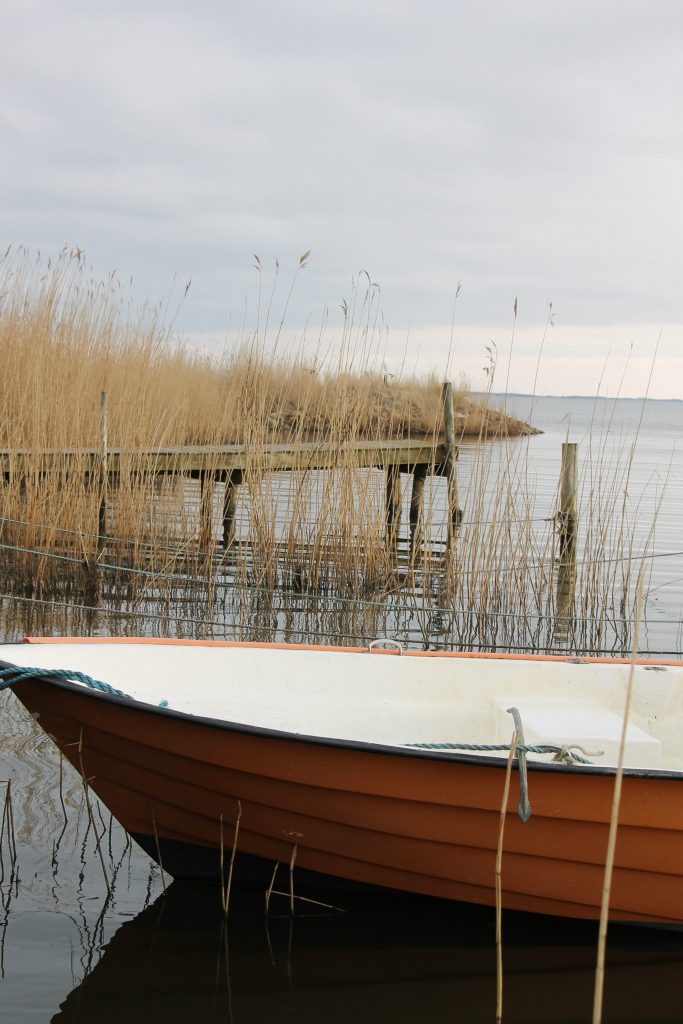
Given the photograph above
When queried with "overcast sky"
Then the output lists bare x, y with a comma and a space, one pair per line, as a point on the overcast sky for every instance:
530, 150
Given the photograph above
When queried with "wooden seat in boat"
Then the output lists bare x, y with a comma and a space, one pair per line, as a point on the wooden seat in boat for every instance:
586, 723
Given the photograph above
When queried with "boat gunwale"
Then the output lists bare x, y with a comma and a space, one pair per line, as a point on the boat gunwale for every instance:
571, 659
419, 753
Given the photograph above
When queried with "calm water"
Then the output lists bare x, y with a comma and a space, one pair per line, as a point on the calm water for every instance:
637, 447
69, 952
630, 504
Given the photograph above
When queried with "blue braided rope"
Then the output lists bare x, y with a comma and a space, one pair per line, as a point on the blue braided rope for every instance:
10, 676
527, 748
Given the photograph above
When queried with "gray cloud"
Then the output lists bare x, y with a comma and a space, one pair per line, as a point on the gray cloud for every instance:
530, 149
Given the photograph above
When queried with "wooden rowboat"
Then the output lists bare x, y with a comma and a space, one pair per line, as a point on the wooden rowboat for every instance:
358, 765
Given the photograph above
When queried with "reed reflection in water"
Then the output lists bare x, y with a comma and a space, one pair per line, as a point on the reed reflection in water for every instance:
56, 911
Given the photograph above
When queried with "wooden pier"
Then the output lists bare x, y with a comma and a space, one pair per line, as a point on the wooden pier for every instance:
104, 467
228, 465
103, 470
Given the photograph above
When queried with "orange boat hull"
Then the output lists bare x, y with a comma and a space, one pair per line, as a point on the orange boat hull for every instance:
415, 821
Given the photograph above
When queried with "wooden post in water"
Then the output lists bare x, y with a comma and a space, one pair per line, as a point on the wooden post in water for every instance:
566, 521
393, 505
416, 510
104, 468
234, 479
207, 479
449, 466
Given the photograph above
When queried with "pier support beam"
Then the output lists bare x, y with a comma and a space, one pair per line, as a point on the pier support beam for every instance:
416, 510
207, 479
234, 479
393, 505
450, 462
104, 469
566, 524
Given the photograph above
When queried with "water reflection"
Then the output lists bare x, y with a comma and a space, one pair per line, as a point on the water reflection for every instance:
419, 616
396, 961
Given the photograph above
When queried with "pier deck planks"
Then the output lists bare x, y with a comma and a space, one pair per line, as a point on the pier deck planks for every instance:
221, 459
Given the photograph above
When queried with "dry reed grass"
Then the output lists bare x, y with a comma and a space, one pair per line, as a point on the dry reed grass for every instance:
64, 339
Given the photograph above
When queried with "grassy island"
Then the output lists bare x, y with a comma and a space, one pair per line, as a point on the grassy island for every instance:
65, 339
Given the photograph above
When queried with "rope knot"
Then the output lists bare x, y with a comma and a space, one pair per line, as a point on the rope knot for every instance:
567, 754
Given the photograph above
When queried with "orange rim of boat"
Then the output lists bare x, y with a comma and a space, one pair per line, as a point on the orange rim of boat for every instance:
504, 656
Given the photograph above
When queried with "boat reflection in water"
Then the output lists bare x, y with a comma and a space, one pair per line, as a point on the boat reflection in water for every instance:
395, 960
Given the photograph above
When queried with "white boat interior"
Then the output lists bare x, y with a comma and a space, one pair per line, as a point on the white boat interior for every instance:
395, 700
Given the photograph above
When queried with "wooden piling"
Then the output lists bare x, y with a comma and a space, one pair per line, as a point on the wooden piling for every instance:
234, 479
104, 467
207, 479
568, 491
567, 524
393, 505
449, 469
419, 476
